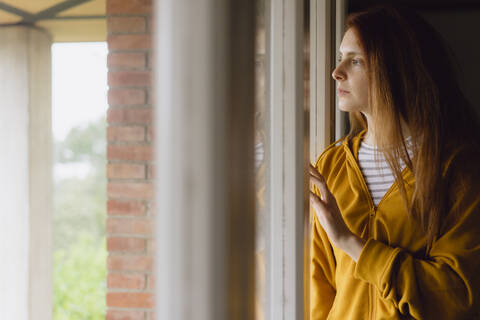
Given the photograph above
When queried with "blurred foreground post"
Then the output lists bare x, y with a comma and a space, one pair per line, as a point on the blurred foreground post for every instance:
204, 94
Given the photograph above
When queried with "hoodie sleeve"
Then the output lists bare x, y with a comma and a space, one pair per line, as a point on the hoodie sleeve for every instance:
322, 258
446, 284
322, 273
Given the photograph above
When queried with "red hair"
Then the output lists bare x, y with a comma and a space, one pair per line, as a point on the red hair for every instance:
411, 79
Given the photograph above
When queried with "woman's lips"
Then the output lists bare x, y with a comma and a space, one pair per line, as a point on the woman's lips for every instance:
341, 92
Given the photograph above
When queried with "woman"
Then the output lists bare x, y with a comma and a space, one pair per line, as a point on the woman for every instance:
396, 232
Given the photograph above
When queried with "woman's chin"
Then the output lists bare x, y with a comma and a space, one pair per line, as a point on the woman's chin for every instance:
349, 107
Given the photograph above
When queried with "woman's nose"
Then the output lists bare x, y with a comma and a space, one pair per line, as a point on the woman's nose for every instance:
337, 74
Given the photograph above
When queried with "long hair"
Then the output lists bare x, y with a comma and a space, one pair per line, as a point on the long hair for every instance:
412, 79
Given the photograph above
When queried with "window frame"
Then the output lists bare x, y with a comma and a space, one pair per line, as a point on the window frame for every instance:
286, 159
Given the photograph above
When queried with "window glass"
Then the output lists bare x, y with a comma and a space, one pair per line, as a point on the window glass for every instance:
260, 163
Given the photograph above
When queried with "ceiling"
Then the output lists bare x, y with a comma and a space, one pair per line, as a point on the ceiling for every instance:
65, 20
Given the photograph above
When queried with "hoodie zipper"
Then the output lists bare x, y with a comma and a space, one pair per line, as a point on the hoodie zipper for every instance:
372, 289
373, 210
371, 217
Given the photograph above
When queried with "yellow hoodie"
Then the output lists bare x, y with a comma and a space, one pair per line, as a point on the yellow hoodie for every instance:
395, 277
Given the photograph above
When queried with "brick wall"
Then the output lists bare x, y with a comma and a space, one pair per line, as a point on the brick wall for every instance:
130, 161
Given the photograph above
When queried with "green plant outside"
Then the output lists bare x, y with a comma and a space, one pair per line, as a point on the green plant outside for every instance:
79, 282
79, 227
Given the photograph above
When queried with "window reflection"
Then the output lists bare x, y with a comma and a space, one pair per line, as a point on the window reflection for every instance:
260, 163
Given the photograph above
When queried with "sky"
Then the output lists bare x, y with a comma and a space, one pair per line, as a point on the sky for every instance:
79, 94
79, 88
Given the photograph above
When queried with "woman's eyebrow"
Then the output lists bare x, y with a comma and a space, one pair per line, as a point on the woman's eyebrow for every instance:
349, 53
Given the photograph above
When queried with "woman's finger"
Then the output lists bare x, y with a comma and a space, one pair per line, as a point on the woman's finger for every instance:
314, 172
316, 182
315, 200
322, 186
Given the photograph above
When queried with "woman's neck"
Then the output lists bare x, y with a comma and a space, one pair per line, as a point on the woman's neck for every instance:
369, 137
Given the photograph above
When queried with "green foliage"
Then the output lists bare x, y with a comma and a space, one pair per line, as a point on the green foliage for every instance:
83, 144
80, 203
79, 280
79, 226
79, 208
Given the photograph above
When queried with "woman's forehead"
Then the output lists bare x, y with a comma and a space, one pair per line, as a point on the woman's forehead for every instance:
350, 44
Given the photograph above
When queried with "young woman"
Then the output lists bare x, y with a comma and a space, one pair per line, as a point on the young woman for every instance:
396, 232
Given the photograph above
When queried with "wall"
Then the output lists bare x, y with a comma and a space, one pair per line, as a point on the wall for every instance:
456, 26
130, 161
456, 21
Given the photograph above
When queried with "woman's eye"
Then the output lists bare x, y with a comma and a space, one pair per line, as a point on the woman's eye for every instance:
353, 61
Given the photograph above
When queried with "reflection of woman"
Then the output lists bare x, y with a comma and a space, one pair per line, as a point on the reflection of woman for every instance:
397, 208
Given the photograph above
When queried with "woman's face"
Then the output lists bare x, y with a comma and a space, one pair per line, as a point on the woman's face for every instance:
351, 75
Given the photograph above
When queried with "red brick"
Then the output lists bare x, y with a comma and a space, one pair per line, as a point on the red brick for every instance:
129, 7
126, 97
152, 208
125, 315
150, 281
125, 244
129, 229
126, 281
125, 208
126, 133
122, 60
129, 42
150, 60
129, 226
126, 24
125, 171
129, 78
151, 171
150, 133
129, 28
150, 97
130, 152
130, 263
129, 116
151, 246
150, 24
130, 299
130, 190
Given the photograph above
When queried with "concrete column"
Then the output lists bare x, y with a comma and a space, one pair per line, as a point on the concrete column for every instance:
25, 174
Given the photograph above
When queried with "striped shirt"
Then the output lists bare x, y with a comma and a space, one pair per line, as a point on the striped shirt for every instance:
377, 173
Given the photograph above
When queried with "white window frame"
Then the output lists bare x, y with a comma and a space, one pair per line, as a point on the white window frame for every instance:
327, 122
341, 117
287, 160
289, 217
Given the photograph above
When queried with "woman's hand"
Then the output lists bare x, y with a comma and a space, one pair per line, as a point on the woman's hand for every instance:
331, 219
